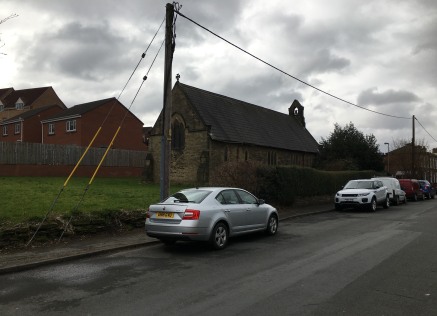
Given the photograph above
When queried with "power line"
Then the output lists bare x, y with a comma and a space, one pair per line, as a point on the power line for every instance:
142, 57
286, 73
425, 129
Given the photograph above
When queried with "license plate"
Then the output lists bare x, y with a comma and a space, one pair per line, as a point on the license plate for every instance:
164, 215
348, 200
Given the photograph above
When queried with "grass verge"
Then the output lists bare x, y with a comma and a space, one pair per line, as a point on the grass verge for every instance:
30, 198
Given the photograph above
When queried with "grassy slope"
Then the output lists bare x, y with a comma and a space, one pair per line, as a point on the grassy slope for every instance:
24, 198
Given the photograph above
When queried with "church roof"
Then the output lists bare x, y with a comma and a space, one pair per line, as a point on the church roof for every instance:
235, 121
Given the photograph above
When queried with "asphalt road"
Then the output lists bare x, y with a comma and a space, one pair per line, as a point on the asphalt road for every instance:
336, 263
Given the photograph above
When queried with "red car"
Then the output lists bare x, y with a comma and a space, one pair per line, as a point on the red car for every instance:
412, 189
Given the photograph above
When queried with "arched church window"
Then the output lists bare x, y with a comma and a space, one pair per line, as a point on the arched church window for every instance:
177, 135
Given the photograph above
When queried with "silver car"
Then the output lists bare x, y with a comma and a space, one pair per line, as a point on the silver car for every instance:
210, 214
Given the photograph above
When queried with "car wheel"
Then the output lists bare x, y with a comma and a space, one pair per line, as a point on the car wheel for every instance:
219, 236
397, 202
373, 205
272, 225
415, 197
386, 202
423, 197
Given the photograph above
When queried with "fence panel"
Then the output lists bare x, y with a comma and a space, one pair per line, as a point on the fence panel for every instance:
50, 154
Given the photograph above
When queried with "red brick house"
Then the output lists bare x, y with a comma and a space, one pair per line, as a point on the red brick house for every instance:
15, 102
78, 125
26, 127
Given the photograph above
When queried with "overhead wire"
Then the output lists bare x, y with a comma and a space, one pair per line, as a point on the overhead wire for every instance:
142, 57
109, 147
91, 143
286, 73
425, 129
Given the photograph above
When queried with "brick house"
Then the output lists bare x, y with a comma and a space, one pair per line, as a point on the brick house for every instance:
26, 126
208, 129
398, 162
78, 125
15, 102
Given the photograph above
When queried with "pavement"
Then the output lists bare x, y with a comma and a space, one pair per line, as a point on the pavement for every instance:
26, 258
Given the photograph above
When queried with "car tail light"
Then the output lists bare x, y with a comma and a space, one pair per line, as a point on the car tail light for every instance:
191, 214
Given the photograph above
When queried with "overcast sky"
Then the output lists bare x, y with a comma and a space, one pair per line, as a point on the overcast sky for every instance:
378, 54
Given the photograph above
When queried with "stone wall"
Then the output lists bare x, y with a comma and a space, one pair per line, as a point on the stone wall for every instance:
197, 160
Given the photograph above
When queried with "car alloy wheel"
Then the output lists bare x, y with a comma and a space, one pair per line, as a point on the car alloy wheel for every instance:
386, 202
373, 205
272, 225
219, 236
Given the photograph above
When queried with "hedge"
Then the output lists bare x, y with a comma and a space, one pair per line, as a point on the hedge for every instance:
281, 184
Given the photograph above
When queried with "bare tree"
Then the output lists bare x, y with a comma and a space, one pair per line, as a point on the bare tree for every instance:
401, 158
13, 15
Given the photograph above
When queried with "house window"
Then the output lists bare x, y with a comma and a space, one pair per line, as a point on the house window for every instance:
51, 128
177, 135
17, 128
19, 105
71, 126
5, 130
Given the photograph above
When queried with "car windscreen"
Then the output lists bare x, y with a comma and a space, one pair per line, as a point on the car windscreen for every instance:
359, 185
188, 196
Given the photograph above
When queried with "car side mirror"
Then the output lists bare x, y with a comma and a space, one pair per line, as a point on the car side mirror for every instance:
261, 201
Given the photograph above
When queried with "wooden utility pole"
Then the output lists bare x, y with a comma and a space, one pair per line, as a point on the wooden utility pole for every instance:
413, 149
167, 108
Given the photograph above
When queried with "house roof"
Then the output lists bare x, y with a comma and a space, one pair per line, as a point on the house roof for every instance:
27, 95
27, 114
4, 92
234, 121
81, 109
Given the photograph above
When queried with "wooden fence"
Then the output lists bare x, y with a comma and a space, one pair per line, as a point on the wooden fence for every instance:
64, 155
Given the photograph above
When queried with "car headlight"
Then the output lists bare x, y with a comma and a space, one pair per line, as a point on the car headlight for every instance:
364, 194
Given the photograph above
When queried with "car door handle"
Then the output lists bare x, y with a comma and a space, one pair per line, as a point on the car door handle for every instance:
248, 210
227, 211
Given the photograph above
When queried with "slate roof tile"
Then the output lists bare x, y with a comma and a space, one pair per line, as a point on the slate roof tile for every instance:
236, 121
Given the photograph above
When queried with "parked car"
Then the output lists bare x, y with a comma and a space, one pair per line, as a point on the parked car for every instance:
396, 194
427, 189
210, 214
363, 193
412, 189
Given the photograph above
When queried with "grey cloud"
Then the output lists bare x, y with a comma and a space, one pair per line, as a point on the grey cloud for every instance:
76, 50
325, 61
371, 96
426, 39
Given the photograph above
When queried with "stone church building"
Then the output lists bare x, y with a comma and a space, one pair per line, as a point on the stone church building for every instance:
208, 129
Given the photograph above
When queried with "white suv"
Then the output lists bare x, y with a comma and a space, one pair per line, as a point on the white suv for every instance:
365, 193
